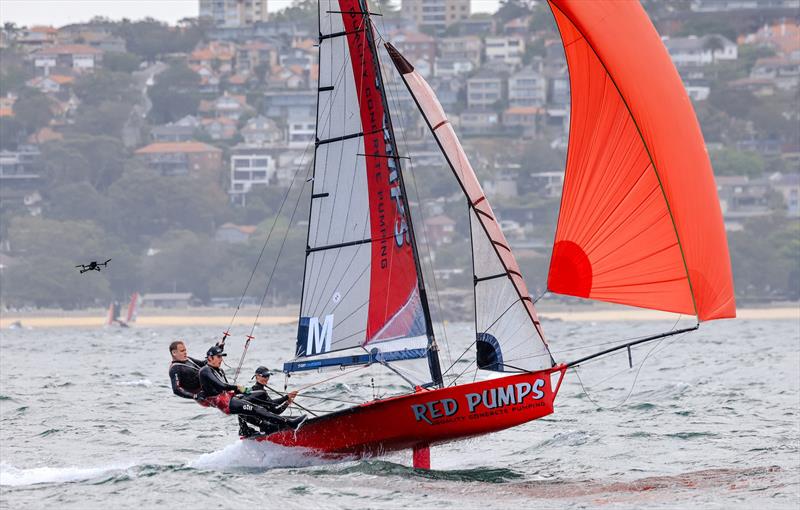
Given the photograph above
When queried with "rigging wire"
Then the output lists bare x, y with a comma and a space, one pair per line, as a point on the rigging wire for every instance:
429, 259
652, 350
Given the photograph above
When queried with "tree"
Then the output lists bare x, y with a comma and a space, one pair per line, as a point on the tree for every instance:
50, 249
106, 118
174, 94
32, 110
512, 9
98, 160
121, 62
733, 162
78, 201
106, 86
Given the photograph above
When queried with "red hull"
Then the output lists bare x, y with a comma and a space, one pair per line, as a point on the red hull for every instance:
428, 417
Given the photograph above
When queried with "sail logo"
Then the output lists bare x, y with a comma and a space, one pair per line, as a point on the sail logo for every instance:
313, 337
486, 400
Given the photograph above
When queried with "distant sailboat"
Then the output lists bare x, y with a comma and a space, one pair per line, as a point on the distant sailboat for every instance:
114, 311
639, 224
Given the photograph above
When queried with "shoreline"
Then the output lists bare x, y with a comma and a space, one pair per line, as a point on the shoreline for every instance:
222, 317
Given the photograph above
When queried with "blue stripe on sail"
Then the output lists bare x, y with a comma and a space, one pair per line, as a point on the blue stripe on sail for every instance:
361, 359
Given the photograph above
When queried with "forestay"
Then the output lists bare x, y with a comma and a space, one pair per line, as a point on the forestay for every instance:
361, 286
508, 334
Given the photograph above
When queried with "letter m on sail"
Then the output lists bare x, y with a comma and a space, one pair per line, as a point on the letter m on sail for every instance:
313, 337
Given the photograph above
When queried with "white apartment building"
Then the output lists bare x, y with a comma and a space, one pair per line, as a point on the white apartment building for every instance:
527, 88
250, 168
233, 13
508, 50
699, 51
436, 13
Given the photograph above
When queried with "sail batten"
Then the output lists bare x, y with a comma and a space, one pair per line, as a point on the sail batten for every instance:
639, 207
507, 327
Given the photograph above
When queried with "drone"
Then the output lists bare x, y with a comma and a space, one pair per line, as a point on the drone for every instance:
93, 266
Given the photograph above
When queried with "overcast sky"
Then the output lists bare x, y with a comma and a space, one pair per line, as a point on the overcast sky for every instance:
64, 12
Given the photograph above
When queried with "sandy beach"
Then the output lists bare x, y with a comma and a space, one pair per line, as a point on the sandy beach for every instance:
222, 317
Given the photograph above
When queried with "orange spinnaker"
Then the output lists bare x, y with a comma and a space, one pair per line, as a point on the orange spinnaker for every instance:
640, 222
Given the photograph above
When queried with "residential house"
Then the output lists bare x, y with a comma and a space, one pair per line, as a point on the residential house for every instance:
475, 121
527, 87
440, 230
485, 89
523, 120
742, 198
19, 175
96, 38
461, 48
219, 128
252, 54
546, 184
783, 37
260, 131
452, 67
506, 49
788, 185
301, 131
250, 167
697, 90
288, 57
36, 37
216, 55
699, 51
475, 26
227, 105
52, 84
78, 57
783, 72
415, 46
280, 104
517, 26
234, 234
182, 130
182, 158
447, 91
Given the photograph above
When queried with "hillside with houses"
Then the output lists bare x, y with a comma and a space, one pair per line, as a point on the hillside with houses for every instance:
179, 150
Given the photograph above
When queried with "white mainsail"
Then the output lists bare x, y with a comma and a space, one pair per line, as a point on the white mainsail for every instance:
508, 334
361, 287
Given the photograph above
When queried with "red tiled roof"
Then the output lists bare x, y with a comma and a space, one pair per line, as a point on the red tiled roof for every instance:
66, 49
177, 147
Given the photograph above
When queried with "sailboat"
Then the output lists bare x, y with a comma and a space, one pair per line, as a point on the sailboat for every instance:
639, 225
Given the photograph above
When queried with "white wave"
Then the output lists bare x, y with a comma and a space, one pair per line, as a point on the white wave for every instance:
249, 454
13, 476
138, 382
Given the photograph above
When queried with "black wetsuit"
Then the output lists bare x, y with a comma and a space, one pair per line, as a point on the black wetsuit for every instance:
214, 382
184, 379
258, 395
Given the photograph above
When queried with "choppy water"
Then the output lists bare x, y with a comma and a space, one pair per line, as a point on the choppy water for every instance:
87, 420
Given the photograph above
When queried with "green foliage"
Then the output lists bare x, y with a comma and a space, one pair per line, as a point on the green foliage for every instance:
105, 86
149, 205
10, 133
98, 160
121, 62
765, 257
106, 118
78, 201
14, 71
149, 38
174, 94
49, 251
32, 110
510, 9
184, 263
733, 162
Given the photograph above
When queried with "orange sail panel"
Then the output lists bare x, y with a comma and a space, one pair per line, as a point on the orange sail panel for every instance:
640, 222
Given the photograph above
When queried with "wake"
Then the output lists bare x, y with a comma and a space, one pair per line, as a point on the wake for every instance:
258, 455
15, 477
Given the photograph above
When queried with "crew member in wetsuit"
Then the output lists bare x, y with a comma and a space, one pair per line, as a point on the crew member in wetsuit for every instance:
228, 397
183, 372
258, 395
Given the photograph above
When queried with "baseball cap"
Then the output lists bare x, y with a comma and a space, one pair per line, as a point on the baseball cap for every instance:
215, 351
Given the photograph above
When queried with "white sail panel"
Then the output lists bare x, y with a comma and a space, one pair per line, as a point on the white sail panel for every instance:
506, 338
506, 318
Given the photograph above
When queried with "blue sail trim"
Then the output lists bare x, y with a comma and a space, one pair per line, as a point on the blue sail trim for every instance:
362, 359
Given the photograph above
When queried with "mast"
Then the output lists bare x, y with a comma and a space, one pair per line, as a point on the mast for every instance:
433, 350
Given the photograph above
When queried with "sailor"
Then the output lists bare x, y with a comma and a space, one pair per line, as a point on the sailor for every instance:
183, 372
232, 399
258, 395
